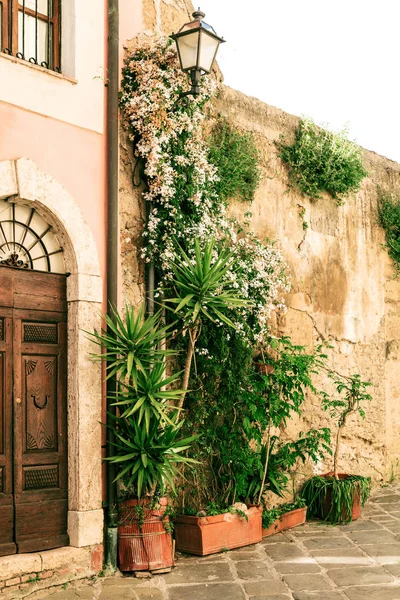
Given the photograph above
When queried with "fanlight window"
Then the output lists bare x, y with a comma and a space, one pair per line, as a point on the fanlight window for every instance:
27, 241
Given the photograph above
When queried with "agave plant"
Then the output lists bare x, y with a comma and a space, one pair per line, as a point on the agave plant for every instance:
130, 346
147, 459
202, 291
149, 397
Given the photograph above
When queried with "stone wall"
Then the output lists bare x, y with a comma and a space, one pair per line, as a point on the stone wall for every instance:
344, 289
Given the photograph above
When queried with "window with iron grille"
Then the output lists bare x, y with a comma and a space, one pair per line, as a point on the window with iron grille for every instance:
31, 30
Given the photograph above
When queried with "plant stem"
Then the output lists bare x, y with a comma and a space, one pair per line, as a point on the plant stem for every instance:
266, 462
188, 363
338, 440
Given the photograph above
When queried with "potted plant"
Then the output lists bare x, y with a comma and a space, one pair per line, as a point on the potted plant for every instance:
283, 375
240, 444
338, 497
201, 292
147, 455
216, 529
147, 447
283, 517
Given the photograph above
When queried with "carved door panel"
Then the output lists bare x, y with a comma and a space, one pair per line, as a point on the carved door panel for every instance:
33, 428
40, 458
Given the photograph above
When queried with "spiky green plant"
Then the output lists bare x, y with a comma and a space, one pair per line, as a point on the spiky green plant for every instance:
130, 344
151, 396
341, 493
147, 458
202, 291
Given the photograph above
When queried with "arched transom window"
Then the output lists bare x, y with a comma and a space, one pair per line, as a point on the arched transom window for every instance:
27, 241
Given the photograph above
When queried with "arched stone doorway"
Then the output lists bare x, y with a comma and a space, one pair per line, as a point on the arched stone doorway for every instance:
27, 186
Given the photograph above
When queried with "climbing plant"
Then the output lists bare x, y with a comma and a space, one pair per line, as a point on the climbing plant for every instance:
236, 158
320, 160
389, 219
182, 185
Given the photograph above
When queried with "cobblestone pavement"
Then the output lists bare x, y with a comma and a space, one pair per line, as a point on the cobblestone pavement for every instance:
315, 561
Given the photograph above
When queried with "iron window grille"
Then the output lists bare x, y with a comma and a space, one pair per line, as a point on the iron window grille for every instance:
31, 30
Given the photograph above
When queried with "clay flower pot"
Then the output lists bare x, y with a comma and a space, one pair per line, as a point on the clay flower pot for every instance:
208, 535
143, 543
287, 521
356, 510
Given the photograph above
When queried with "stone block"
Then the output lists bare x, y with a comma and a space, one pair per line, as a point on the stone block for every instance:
191, 573
253, 570
8, 181
302, 565
280, 552
340, 557
307, 582
84, 288
374, 592
384, 554
327, 542
359, 576
380, 536
19, 564
85, 528
267, 588
54, 560
320, 595
210, 591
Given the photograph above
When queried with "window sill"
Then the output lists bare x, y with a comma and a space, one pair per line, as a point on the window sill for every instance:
49, 72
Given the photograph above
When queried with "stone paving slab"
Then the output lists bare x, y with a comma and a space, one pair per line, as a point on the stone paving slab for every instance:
320, 595
260, 589
373, 593
309, 582
359, 561
359, 575
207, 592
341, 557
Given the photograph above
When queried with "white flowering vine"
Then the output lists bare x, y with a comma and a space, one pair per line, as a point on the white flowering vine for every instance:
168, 135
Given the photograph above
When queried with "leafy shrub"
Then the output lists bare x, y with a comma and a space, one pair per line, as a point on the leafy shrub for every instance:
321, 160
389, 219
236, 157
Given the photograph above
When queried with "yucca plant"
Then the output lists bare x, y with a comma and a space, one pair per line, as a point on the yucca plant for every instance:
147, 458
150, 396
130, 345
202, 291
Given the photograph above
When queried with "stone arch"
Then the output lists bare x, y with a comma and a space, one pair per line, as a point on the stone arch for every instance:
22, 179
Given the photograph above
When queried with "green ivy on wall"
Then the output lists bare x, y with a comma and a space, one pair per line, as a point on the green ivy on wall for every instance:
236, 158
323, 161
389, 219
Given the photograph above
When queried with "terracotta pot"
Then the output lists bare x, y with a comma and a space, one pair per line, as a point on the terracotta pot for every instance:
356, 511
208, 535
287, 521
147, 546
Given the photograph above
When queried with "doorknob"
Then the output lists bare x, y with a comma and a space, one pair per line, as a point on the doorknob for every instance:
18, 400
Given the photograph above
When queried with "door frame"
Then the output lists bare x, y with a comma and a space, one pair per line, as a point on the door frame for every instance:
24, 181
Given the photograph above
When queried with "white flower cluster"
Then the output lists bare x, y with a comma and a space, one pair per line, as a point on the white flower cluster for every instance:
168, 133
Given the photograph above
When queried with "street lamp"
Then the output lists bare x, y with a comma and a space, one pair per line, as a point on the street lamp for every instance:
197, 45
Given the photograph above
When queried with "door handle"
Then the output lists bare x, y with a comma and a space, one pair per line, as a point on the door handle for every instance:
18, 400
37, 402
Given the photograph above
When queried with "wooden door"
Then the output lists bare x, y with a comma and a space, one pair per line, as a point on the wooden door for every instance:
33, 500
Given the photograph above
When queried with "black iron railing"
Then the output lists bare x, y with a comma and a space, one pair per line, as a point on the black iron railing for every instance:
31, 30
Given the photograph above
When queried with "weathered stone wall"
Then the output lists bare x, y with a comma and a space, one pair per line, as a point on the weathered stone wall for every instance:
344, 289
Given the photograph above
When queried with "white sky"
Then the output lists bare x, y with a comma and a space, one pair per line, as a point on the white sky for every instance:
336, 61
